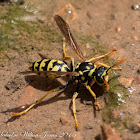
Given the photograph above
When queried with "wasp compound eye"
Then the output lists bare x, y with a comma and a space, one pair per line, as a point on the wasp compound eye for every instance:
100, 75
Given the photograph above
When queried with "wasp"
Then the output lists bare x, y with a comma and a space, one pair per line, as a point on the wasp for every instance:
84, 72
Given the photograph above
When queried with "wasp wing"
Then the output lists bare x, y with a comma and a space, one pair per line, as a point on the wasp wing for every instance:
65, 29
58, 73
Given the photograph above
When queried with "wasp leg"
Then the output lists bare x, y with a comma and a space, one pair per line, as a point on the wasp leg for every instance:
94, 95
38, 101
74, 109
64, 51
99, 57
106, 66
67, 57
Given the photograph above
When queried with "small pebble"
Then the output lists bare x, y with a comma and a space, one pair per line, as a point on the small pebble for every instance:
135, 38
89, 126
87, 45
78, 136
138, 71
118, 28
126, 81
136, 7
64, 120
137, 80
109, 133
97, 36
138, 125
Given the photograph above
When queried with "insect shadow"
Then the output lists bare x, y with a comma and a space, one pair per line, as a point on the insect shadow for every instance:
46, 84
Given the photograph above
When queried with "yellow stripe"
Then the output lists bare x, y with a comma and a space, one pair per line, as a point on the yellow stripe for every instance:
36, 65
80, 72
90, 63
50, 65
77, 66
87, 67
55, 68
91, 71
43, 64
60, 62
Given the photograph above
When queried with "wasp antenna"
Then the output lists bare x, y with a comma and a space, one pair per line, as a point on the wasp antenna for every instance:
120, 62
117, 64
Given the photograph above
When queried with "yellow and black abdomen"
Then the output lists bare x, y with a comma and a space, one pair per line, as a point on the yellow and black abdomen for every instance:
49, 65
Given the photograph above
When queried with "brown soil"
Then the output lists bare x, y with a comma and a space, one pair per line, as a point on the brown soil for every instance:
111, 24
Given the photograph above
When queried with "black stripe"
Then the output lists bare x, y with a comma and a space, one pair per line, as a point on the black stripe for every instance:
46, 65
38, 65
67, 69
83, 66
32, 68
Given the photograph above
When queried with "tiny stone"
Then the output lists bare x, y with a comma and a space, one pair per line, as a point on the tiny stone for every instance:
138, 71
64, 120
97, 36
136, 7
89, 126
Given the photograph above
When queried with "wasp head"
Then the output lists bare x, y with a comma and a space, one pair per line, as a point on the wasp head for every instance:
101, 74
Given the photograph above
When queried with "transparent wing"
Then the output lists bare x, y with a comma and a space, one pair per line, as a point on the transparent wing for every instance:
58, 73
65, 29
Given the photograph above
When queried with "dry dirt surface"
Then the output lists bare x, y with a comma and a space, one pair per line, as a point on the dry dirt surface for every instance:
27, 29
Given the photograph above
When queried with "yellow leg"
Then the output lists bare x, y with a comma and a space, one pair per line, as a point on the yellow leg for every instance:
94, 95
38, 101
64, 51
74, 109
99, 57
106, 66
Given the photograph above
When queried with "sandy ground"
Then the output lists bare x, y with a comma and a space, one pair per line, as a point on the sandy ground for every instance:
114, 24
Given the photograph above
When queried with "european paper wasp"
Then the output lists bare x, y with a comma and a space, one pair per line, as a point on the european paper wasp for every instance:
84, 72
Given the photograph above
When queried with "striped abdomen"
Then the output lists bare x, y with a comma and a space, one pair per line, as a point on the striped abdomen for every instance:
49, 65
